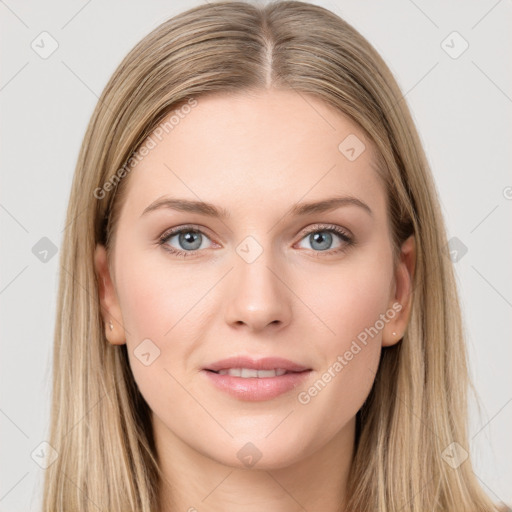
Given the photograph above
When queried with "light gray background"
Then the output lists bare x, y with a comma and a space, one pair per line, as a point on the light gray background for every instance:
462, 109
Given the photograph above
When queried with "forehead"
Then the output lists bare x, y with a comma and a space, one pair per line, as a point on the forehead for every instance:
254, 150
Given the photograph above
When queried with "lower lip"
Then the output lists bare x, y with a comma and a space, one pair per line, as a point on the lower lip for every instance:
256, 389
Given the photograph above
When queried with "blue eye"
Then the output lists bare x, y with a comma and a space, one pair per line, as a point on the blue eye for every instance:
321, 239
190, 240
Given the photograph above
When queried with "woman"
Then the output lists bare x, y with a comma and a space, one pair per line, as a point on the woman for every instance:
305, 351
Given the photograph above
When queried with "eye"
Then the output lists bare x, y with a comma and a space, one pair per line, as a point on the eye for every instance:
188, 238
321, 239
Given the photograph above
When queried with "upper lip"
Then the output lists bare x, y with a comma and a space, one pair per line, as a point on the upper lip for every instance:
265, 363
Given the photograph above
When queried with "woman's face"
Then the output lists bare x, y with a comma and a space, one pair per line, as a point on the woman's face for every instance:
261, 273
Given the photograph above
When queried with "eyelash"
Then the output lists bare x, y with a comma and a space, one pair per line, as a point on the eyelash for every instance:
322, 228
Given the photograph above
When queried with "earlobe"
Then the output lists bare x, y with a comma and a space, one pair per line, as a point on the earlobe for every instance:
401, 302
110, 309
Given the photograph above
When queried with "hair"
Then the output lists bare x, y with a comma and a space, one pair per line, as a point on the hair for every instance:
100, 424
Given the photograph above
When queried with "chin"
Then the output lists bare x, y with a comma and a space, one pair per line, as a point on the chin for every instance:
259, 454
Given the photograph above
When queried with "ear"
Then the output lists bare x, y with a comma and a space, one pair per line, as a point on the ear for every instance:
110, 309
401, 298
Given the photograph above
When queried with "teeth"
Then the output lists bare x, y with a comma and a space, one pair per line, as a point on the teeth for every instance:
247, 373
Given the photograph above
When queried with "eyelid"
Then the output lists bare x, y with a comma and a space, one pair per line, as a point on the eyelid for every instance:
184, 228
327, 227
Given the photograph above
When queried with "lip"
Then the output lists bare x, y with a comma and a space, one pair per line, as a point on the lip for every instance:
253, 388
265, 363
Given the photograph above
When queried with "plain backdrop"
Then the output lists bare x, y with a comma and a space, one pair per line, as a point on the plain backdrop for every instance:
452, 62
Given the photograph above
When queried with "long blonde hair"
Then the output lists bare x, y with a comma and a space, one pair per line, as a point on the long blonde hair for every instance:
100, 424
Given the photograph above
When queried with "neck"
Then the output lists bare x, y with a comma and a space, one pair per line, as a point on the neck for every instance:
193, 482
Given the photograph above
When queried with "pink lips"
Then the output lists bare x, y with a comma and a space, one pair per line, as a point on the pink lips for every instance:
256, 388
266, 363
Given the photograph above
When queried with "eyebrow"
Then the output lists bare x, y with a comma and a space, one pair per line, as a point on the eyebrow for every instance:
210, 210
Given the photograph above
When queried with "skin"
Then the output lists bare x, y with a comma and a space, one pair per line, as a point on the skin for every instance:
256, 155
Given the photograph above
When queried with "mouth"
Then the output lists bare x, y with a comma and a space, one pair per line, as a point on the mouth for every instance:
247, 366
256, 380
248, 373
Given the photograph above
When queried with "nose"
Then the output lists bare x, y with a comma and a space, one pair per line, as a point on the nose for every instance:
258, 298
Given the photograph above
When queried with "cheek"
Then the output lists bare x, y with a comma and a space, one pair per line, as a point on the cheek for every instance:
348, 301
353, 309
154, 297
152, 301
165, 310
